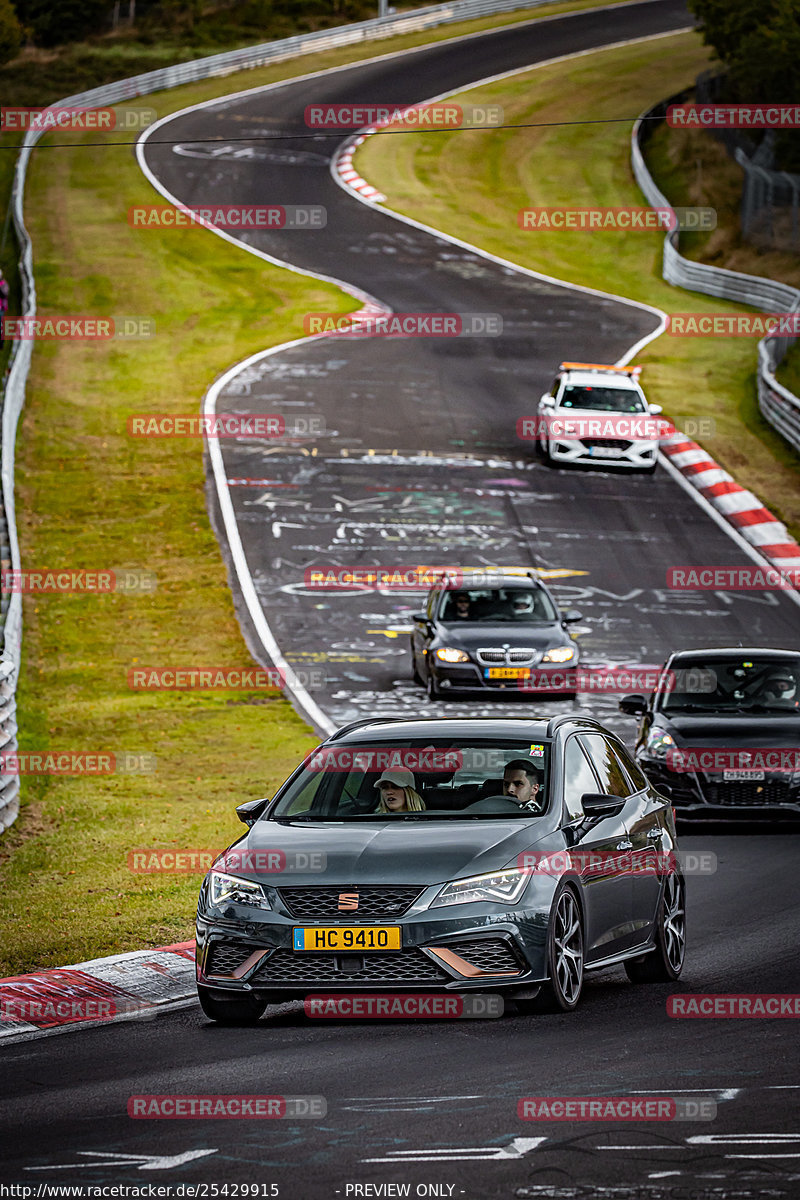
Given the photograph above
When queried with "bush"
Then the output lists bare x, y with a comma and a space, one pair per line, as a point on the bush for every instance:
10, 32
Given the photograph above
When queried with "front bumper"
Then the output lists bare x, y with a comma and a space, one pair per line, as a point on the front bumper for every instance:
710, 796
465, 677
485, 949
636, 456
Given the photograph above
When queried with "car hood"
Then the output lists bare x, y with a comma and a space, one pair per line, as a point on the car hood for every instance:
471, 635
755, 729
424, 851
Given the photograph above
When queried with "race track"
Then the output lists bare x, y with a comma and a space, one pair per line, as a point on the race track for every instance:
420, 462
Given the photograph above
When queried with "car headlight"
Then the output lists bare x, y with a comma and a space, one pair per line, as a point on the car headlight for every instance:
229, 889
560, 654
450, 654
659, 743
503, 887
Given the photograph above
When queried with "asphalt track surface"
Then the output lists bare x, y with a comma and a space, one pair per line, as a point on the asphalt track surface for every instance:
434, 1103
421, 462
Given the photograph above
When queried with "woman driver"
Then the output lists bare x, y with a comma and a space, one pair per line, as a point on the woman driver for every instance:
398, 793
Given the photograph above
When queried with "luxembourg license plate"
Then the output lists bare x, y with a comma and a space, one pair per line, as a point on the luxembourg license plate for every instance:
359, 938
605, 452
742, 776
507, 672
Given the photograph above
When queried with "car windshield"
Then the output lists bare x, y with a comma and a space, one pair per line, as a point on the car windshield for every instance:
603, 399
523, 605
419, 782
735, 685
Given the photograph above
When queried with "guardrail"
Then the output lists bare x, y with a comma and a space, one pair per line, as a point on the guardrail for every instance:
215, 65
778, 405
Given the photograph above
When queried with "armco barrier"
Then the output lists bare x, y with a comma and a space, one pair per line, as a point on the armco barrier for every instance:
778, 405
214, 65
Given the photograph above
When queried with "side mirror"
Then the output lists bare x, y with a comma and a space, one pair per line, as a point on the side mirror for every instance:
655, 409
547, 402
251, 810
571, 616
596, 804
419, 618
634, 706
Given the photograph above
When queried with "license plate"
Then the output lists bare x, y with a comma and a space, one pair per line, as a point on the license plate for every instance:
359, 938
605, 452
507, 672
742, 776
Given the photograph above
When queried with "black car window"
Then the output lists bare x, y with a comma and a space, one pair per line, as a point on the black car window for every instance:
635, 775
613, 780
578, 778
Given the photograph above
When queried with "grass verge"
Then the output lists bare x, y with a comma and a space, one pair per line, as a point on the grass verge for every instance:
473, 185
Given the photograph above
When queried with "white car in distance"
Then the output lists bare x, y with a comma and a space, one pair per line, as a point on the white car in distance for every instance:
598, 415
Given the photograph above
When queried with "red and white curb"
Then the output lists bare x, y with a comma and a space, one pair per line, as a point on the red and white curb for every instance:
343, 167
740, 508
98, 992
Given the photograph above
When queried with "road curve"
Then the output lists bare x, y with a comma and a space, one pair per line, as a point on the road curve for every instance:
420, 461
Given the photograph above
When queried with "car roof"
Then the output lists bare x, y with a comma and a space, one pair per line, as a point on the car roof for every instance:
605, 379
488, 579
724, 652
538, 728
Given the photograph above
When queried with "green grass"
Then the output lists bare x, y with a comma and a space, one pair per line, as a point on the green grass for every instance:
473, 184
88, 496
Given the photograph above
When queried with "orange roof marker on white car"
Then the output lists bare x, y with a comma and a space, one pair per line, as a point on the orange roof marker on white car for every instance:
578, 366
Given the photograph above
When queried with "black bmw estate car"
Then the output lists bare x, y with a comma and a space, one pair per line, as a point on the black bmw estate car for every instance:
491, 632
445, 856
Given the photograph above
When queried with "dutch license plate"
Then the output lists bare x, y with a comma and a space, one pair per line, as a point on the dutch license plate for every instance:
507, 672
742, 776
606, 452
359, 938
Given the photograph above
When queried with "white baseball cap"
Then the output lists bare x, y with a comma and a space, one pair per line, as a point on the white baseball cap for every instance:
398, 775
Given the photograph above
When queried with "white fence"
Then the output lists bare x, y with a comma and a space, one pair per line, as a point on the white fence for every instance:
778, 405
215, 65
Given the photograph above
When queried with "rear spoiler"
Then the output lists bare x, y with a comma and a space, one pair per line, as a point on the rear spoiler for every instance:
632, 372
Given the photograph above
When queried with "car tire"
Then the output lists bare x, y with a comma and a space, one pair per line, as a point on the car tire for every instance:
415, 675
432, 688
665, 963
544, 452
240, 1009
565, 956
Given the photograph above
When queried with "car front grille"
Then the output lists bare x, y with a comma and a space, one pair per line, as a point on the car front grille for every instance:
312, 903
518, 655
404, 967
492, 955
608, 443
751, 793
225, 957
